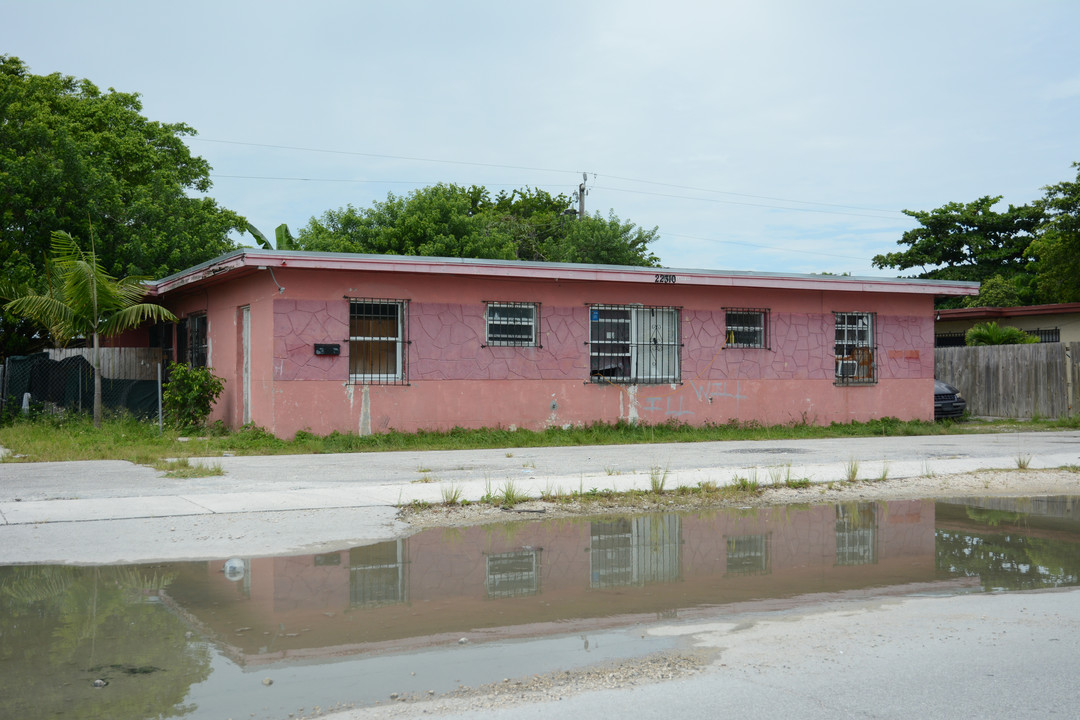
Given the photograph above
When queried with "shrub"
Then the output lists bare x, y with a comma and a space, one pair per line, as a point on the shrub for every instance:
189, 395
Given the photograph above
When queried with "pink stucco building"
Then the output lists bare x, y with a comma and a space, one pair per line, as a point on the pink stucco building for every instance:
368, 343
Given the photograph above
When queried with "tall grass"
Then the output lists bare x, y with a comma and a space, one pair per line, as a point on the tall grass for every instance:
73, 437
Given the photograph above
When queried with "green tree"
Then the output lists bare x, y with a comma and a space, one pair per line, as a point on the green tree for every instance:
968, 241
1057, 249
456, 221
990, 333
83, 300
74, 158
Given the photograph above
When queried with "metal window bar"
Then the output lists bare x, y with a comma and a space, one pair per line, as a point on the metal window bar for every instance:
748, 555
378, 334
634, 344
855, 350
746, 327
512, 574
197, 344
512, 324
856, 534
1047, 335
949, 339
377, 574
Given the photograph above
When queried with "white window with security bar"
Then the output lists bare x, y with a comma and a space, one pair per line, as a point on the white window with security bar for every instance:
855, 349
746, 328
634, 344
378, 334
512, 324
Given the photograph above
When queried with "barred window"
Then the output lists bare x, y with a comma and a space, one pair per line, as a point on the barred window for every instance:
192, 344
377, 336
855, 349
748, 555
746, 328
377, 574
949, 339
512, 324
634, 344
1046, 335
856, 534
513, 574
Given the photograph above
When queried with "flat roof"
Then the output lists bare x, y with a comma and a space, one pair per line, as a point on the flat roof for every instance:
246, 260
977, 313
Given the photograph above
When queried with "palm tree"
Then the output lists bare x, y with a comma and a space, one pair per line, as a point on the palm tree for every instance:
990, 333
83, 300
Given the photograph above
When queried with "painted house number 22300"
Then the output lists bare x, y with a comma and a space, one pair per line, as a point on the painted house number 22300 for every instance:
663, 278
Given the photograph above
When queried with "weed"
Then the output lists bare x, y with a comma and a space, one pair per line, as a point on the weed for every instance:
927, 471
423, 470
183, 468
708, 486
884, 471
657, 479
509, 454
530, 465
511, 495
420, 504
851, 470
451, 494
781, 474
611, 471
797, 482
745, 484
1023, 461
427, 477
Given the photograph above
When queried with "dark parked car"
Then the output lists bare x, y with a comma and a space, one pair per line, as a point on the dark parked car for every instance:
947, 401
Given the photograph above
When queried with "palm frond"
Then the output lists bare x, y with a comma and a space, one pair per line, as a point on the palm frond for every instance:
133, 316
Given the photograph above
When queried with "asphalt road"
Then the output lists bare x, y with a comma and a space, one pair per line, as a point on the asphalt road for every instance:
109, 511
970, 656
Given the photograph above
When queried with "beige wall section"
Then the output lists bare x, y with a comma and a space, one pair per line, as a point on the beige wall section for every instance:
1067, 323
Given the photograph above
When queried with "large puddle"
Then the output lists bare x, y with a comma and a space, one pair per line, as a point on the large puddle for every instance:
266, 637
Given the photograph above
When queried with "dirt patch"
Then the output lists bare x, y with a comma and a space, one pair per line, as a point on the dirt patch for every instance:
1061, 481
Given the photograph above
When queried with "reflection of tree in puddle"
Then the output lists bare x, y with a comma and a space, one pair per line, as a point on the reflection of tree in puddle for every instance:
62, 628
992, 518
1005, 561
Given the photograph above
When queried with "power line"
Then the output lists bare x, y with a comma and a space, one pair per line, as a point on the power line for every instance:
765, 247
387, 157
551, 170
748, 204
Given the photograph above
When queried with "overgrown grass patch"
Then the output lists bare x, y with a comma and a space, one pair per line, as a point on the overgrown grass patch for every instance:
183, 468
48, 437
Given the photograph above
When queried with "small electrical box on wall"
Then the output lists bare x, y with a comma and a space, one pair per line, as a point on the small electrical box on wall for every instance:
327, 349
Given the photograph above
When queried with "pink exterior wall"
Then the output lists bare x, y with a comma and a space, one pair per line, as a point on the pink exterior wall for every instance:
455, 381
295, 605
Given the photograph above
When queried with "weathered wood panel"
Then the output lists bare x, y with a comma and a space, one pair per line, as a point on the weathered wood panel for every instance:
1072, 362
1018, 381
117, 363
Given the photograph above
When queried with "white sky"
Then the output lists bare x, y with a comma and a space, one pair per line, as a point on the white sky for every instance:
769, 135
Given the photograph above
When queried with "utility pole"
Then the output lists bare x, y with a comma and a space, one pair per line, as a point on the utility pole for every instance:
581, 196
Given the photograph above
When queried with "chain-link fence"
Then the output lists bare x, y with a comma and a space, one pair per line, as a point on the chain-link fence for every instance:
63, 379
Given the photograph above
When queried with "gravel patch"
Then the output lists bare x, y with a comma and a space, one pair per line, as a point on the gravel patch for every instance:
1017, 483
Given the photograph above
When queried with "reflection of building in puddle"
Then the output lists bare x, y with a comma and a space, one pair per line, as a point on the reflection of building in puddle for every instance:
566, 575
748, 554
635, 551
512, 574
856, 534
377, 574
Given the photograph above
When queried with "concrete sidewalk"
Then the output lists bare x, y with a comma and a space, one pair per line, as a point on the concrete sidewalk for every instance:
98, 511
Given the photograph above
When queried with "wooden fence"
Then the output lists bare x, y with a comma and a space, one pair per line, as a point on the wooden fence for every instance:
118, 363
1015, 381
